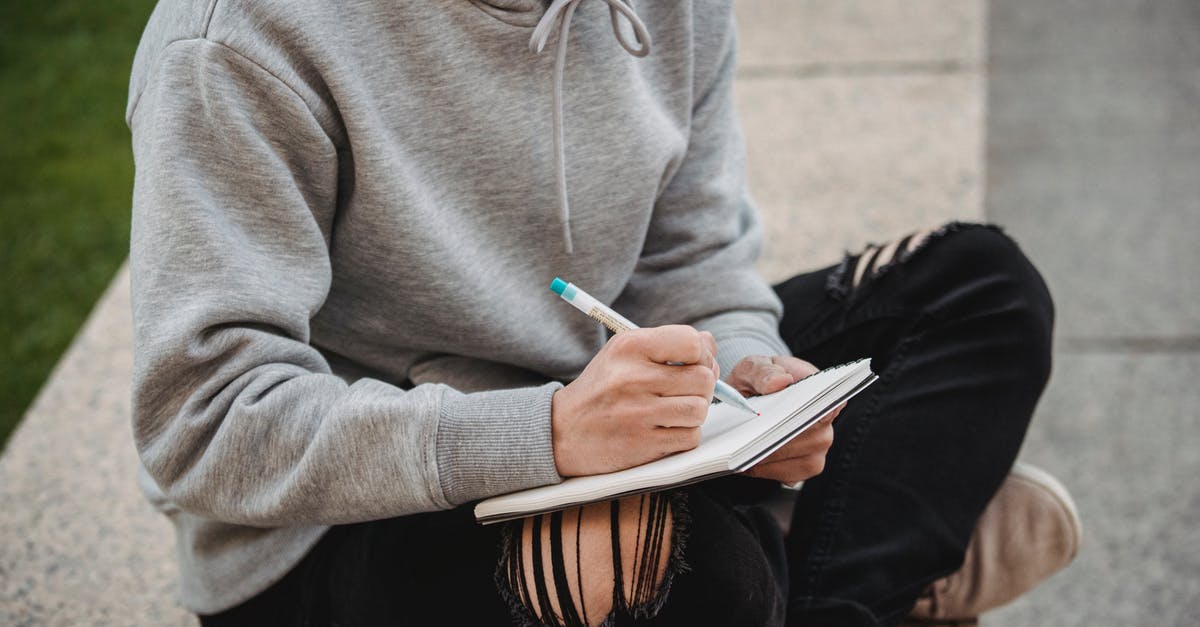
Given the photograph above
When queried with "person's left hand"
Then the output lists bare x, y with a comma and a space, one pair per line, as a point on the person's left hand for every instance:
804, 456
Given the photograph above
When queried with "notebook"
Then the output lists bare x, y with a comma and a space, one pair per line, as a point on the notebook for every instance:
731, 441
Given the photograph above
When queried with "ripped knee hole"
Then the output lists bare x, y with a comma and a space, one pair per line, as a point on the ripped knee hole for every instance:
876, 259
577, 567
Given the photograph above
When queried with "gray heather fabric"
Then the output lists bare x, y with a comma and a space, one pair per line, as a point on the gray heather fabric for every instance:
345, 222
558, 15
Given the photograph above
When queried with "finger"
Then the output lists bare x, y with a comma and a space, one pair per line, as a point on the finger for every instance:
671, 344
817, 440
746, 367
683, 380
710, 343
795, 366
672, 440
746, 372
789, 471
768, 377
679, 411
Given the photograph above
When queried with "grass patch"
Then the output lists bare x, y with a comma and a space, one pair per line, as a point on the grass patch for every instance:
66, 177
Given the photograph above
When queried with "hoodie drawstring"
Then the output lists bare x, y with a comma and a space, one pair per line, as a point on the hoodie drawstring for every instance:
560, 12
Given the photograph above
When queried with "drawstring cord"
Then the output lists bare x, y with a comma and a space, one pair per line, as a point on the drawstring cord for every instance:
560, 12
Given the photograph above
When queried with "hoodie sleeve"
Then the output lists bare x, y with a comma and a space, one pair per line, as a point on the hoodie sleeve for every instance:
236, 416
697, 265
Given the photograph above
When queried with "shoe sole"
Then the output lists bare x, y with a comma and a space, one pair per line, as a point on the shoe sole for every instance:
1050, 484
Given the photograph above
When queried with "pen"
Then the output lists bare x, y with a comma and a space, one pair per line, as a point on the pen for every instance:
617, 323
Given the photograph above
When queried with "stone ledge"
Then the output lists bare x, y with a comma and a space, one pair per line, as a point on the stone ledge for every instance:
807, 33
836, 162
80, 545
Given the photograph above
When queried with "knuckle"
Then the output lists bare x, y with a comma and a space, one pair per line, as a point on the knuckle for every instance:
620, 343
696, 408
752, 363
685, 331
681, 407
703, 379
674, 332
634, 341
690, 340
754, 367
699, 344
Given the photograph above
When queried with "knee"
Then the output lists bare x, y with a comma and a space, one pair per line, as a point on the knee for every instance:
578, 567
984, 252
996, 281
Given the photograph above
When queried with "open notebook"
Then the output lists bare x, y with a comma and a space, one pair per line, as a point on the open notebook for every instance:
731, 441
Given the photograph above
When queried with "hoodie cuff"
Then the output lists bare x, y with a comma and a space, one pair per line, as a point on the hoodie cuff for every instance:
491, 443
742, 334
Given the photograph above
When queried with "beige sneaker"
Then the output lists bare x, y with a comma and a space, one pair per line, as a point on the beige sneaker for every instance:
1029, 531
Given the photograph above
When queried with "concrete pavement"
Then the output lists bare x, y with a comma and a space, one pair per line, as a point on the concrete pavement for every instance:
863, 121
1093, 163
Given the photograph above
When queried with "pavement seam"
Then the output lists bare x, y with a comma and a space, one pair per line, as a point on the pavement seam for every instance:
1129, 344
865, 69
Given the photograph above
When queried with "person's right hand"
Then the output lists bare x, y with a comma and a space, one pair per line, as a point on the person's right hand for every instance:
630, 406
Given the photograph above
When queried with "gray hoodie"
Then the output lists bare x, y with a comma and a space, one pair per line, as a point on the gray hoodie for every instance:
346, 217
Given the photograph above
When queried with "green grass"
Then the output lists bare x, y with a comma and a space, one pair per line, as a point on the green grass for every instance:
66, 176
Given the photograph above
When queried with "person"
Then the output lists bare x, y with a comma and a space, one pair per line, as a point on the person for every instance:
345, 219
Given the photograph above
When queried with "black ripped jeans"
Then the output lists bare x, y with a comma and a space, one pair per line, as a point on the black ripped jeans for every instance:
958, 325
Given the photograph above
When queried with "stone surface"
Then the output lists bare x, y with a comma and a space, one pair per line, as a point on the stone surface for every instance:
863, 121
835, 162
855, 36
1122, 433
78, 544
1094, 156
1093, 163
